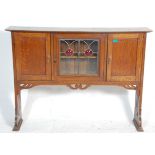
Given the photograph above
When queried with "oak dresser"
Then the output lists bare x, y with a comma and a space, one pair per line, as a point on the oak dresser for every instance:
78, 58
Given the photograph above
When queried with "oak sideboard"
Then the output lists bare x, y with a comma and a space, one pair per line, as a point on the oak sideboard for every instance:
78, 58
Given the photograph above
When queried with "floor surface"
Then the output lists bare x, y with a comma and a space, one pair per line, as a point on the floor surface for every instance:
50, 109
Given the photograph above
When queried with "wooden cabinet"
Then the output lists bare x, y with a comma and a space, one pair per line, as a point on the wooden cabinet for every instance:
78, 58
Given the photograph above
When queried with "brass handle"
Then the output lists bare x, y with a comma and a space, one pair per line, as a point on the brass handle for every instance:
109, 60
48, 59
55, 59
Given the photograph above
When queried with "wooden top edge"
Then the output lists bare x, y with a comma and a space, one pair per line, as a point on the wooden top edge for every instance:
60, 29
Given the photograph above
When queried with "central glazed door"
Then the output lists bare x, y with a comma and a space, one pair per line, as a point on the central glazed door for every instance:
79, 56
124, 57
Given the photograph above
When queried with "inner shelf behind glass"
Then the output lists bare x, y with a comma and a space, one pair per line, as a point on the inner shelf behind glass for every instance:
79, 57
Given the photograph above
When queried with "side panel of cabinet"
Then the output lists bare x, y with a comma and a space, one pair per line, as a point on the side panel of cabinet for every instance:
124, 57
32, 53
78, 65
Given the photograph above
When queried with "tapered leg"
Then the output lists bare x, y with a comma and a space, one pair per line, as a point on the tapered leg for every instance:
18, 113
138, 108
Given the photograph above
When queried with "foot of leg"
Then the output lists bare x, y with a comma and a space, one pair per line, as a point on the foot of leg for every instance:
138, 106
18, 113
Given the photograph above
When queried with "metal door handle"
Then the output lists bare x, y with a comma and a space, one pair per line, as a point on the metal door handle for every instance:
48, 59
55, 59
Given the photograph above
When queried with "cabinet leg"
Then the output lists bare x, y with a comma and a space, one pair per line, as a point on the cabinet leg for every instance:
18, 113
138, 108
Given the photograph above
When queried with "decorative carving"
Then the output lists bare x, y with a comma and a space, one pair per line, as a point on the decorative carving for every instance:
26, 86
78, 86
130, 86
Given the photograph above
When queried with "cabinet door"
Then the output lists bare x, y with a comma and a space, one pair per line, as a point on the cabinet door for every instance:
32, 55
124, 57
79, 56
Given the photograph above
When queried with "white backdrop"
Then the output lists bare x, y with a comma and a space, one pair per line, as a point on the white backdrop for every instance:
59, 109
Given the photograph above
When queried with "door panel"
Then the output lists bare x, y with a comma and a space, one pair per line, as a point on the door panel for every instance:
124, 57
79, 56
32, 53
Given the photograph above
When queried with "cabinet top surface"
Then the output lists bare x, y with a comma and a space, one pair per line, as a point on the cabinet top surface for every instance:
69, 29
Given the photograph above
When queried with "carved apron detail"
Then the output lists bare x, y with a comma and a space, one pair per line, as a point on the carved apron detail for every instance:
78, 86
26, 86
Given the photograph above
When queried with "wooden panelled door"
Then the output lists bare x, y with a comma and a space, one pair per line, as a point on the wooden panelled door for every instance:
32, 55
79, 56
124, 57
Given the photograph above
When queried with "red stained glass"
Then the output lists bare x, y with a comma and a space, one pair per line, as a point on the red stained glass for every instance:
69, 52
88, 52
